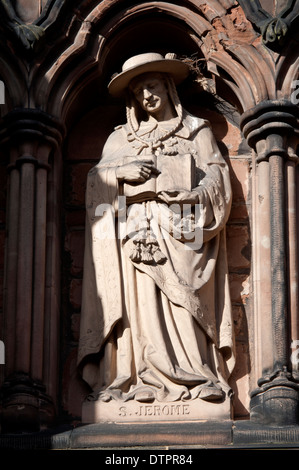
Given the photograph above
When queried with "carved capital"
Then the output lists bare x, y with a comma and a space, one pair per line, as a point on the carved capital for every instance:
271, 128
23, 127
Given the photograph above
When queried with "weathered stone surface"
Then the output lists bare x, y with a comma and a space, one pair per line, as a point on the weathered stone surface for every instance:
76, 293
238, 242
152, 434
78, 176
74, 244
133, 412
28, 10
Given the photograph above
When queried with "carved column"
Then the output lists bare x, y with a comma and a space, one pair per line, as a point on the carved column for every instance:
271, 129
28, 396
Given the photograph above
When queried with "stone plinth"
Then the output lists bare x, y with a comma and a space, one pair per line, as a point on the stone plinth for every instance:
135, 412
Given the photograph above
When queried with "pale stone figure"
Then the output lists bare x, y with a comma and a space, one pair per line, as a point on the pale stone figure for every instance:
156, 314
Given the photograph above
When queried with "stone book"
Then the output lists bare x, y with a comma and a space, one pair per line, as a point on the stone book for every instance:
175, 172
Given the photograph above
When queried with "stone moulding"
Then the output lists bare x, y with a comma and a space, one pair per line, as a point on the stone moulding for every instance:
31, 122
279, 117
202, 436
275, 30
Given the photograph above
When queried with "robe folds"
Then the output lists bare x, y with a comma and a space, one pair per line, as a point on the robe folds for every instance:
159, 326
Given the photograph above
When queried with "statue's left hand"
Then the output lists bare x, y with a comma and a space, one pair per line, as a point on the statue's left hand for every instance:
180, 196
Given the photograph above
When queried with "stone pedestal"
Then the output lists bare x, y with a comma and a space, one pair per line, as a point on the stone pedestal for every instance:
137, 412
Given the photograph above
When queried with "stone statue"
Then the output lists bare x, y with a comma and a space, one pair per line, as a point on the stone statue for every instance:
156, 315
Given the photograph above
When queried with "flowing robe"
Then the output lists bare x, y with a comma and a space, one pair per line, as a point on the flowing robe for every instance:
159, 330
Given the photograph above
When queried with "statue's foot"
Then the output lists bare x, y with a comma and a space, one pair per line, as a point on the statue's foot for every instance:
104, 396
145, 396
211, 394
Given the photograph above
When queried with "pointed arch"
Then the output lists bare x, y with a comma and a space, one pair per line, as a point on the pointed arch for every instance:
210, 28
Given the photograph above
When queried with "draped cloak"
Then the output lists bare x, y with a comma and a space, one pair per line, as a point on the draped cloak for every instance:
160, 328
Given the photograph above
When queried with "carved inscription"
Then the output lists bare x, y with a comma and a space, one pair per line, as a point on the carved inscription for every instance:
156, 410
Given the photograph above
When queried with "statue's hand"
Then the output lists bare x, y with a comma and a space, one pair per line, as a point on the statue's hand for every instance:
180, 196
136, 171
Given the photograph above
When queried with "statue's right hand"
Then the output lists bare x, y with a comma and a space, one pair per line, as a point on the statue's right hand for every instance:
136, 171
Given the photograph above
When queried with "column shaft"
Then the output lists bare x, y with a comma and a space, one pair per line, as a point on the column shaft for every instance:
10, 285
37, 355
30, 137
271, 128
25, 268
281, 351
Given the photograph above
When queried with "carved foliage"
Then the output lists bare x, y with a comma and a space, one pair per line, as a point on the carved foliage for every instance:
275, 30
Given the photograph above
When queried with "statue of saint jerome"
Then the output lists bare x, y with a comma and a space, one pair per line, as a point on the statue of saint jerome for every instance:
156, 314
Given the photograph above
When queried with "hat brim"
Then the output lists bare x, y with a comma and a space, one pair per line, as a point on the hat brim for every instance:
177, 69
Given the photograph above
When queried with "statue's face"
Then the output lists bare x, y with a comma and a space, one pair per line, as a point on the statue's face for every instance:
151, 93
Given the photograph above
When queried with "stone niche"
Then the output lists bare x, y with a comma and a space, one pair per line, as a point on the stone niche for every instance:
90, 126
83, 141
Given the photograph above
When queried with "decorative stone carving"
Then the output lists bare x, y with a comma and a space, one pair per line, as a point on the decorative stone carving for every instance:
156, 323
39, 18
275, 30
27, 34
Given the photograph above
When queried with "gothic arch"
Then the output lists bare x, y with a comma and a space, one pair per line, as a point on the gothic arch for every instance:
220, 32
103, 36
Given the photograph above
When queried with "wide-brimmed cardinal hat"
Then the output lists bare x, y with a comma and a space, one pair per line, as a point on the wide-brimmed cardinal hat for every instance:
148, 62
